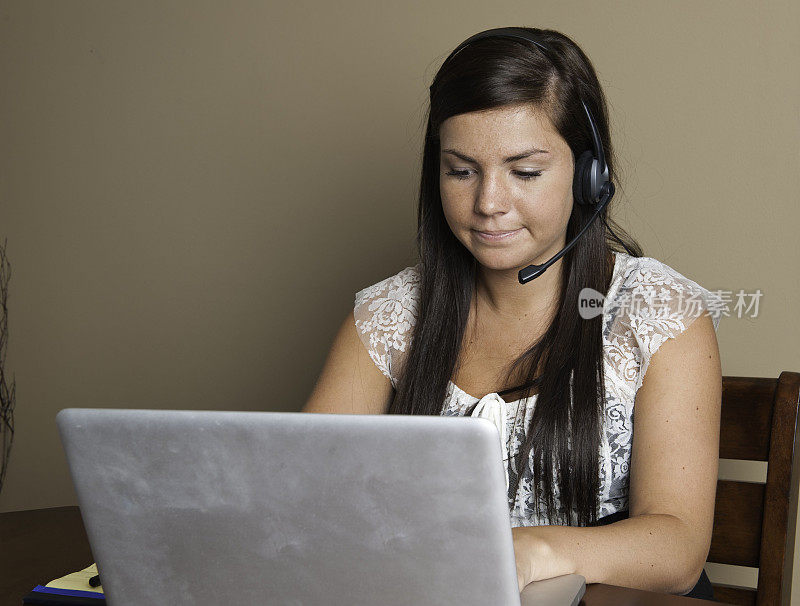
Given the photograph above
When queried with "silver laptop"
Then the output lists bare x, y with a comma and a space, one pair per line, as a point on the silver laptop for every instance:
214, 507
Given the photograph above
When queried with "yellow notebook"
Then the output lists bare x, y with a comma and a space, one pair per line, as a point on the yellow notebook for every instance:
77, 580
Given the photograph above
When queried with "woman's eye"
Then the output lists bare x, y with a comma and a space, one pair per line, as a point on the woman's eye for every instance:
524, 175
458, 174
528, 175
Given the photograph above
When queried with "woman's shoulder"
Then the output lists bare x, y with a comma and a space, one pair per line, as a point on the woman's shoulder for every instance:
385, 313
651, 303
404, 283
650, 289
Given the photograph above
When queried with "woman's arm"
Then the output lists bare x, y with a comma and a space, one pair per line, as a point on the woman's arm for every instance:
350, 383
664, 544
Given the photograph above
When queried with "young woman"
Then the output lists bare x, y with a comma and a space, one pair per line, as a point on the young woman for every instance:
460, 334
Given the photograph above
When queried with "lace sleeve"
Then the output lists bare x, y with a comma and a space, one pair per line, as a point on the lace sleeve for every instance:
385, 314
659, 304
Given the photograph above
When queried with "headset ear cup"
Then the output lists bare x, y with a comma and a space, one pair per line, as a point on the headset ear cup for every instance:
581, 182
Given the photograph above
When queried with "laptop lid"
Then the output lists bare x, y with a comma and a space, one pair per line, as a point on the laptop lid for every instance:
212, 507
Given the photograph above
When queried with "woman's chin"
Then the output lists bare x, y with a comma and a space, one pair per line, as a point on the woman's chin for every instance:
501, 262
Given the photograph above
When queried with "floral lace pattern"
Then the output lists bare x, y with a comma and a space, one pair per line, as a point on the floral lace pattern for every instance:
647, 303
385, 314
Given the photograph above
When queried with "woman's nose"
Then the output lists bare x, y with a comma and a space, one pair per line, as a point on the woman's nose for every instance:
492, 195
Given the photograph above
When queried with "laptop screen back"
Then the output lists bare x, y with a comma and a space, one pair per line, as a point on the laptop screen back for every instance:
213, 507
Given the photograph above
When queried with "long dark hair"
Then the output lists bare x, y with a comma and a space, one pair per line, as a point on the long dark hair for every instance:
493, 73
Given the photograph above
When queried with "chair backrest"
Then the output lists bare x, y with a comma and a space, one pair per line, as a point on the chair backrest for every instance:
754, 523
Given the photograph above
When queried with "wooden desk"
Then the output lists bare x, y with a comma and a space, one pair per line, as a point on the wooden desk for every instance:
39, 545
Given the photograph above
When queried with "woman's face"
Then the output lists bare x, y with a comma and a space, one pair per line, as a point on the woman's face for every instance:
487, 187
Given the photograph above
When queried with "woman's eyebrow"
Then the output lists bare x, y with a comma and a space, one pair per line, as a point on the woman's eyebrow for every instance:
514, 158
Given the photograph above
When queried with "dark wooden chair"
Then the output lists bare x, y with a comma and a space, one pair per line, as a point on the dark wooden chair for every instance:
754, 523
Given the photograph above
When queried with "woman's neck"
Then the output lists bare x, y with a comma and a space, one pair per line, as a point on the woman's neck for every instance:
501, 299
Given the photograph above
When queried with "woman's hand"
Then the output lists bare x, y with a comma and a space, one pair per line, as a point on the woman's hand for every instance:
535, 558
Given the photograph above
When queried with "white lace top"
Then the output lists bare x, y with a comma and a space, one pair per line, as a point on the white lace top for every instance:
647, 303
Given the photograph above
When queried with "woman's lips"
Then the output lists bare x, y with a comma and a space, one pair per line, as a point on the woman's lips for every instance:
497, 236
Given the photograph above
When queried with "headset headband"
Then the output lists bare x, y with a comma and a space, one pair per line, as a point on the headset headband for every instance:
519, 33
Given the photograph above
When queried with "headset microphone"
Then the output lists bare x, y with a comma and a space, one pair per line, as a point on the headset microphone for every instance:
534, 271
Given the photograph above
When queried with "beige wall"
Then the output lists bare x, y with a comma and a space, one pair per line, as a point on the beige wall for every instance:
192, 192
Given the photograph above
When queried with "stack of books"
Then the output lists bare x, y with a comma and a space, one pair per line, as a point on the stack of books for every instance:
71, 590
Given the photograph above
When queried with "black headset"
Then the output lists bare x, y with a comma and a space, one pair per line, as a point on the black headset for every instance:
591, 183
